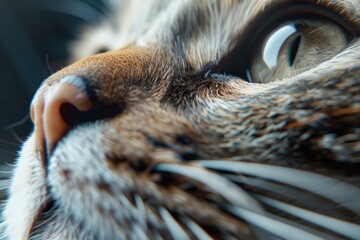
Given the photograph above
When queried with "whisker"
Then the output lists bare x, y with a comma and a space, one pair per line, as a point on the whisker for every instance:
10, 143
175, 229
348, 229
259, 183
48, 64
285, 191
139, 233
129, 206
3, 233
17, 137
4, 184
298, 225
141, 213
7, 152
195, 229
18, 123
273, 226
230, 191
6, 170
342, 193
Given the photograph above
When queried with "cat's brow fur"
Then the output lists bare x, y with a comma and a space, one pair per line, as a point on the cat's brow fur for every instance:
192, 153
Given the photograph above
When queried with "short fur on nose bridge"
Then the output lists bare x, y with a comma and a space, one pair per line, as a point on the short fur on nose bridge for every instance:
50, 125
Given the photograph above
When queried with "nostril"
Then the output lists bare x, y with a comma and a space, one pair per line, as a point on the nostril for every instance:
61, 107
71, 115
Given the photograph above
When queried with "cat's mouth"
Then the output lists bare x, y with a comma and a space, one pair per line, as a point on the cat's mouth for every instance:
47, 207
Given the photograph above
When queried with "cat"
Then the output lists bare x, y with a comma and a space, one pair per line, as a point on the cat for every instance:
207, 119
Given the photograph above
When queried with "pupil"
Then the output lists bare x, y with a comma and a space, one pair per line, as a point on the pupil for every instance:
293, 49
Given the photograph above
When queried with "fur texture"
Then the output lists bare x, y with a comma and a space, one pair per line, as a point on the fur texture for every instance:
191, 153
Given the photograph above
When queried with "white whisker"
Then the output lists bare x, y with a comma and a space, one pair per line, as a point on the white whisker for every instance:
340, 192
198, 231
175, 229
4, 184
230, 191
131, 209
273, 226
348, 229
285, 191
138, 233
141, 212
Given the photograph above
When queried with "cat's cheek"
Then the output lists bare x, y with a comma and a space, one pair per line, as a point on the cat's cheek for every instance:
83, 187
27, 193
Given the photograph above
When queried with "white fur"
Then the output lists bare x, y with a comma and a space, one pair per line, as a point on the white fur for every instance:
27, 195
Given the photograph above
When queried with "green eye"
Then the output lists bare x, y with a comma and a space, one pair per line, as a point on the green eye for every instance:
285, 41
293, 48
283, 44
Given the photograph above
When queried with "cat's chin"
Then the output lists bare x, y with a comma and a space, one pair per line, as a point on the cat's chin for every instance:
28, 193
34, 187
79, 203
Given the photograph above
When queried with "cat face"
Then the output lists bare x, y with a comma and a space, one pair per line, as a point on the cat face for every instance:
208, 123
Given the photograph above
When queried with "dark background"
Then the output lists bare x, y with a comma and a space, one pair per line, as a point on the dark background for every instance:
34, 35
33, 43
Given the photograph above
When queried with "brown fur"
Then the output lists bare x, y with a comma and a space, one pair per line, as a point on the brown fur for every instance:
172, 110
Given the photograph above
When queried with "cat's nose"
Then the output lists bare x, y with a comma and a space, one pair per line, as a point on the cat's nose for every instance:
57, 110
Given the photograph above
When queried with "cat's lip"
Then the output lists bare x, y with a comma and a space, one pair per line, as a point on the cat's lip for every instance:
29, 192
48, 202
40, 181
39, 214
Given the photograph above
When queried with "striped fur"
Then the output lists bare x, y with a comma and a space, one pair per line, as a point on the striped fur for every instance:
195, 154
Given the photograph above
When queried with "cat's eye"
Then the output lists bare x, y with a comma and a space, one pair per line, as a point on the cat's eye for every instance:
293, 48
286, 45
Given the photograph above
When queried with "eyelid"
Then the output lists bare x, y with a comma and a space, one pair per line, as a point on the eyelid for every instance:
346, 13
275, 14
337, 12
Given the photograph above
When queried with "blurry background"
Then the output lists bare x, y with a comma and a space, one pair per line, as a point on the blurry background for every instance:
34, 35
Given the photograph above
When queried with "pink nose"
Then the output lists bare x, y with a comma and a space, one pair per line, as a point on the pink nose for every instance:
57, 109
